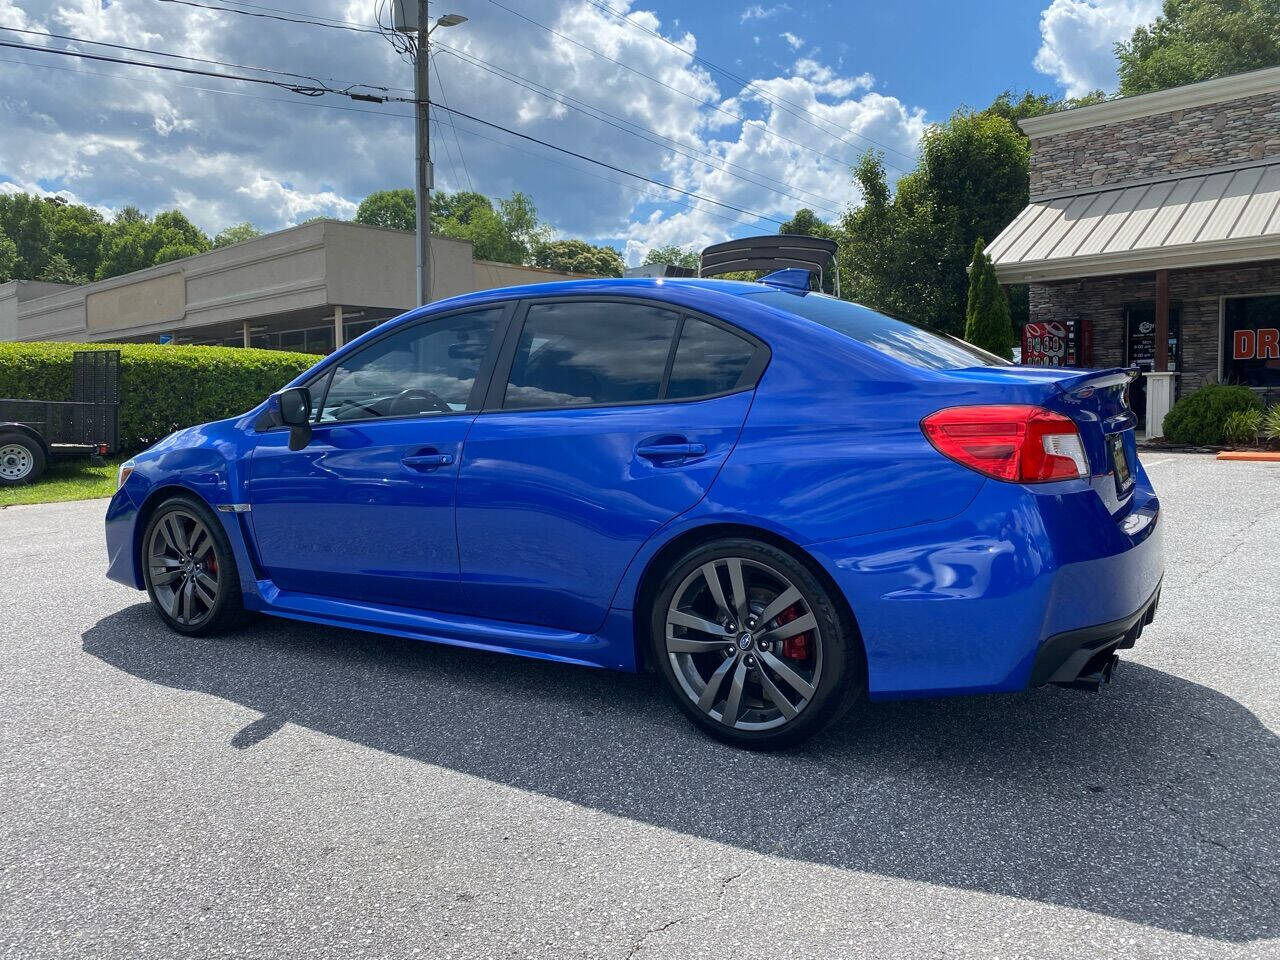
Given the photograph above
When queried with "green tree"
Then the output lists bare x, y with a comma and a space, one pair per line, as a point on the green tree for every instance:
675, 255
1195, 40
28, 221
809, 224
60, 270
396, 209
987, 322
507, 234
578, 256
8, 257
76, 237
134, 242
238, 233
907, 251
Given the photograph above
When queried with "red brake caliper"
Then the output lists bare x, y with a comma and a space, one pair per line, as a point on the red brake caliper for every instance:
797, 647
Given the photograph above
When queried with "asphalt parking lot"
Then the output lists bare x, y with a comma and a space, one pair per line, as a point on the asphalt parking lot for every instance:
298, 791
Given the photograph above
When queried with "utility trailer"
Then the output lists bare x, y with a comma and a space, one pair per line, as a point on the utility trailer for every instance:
33, 432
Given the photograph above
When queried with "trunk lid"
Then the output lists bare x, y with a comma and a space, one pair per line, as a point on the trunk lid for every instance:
1095, 400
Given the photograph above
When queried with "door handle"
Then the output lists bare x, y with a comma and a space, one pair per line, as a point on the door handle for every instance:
668, 451
427, 461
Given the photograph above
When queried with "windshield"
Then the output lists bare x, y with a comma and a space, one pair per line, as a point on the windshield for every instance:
918, 346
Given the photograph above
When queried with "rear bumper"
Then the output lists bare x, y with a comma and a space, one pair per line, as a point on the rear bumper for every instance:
967, 605
1084, 658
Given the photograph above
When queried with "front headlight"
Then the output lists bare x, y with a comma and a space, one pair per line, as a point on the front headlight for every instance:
126, 468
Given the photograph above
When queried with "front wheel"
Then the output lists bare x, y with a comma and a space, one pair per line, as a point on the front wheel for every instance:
753, 648
190, 570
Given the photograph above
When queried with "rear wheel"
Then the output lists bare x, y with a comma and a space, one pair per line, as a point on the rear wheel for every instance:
753, 648
190, 570
21, 459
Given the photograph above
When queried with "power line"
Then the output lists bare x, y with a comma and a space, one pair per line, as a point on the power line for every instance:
674, 89
601, 163
621, 183
445, 100
226, 93
393, 116
749, 84
337, 25
181, 56
317, 90
668, 143
350, 25
374, 98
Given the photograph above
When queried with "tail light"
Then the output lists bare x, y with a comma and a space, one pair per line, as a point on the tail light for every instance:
1022, 444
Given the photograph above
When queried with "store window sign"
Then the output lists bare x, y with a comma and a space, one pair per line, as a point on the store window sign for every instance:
1251, 341
1261, 344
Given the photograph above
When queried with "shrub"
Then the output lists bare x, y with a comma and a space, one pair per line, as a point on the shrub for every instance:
1200, 418
162, 387
1271, 423
1242, 427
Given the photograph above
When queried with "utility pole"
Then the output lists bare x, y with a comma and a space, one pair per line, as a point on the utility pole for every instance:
423, 177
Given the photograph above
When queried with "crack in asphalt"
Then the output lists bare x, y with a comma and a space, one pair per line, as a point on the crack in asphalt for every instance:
725, 882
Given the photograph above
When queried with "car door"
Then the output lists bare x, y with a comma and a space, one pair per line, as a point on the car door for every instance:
606, 418
365, 511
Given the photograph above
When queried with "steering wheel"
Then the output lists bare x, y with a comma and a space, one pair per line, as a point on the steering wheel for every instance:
407, 396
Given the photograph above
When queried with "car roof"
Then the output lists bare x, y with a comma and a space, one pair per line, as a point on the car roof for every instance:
635, 286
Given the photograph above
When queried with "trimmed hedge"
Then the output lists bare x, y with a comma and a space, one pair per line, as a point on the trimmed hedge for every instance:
162, 387
1200, 418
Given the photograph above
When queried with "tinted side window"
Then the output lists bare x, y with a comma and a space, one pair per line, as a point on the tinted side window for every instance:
708, 360
577, 353
423, 370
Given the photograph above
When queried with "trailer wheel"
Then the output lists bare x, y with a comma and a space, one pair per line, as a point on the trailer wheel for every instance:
21, 459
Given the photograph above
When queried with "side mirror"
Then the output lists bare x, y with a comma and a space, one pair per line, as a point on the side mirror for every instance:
290, 408
295, 407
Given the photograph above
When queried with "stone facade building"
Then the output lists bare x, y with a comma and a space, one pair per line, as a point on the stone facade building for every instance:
1153, 238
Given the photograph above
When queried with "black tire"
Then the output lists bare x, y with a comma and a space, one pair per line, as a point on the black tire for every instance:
177, 519
753, 658
22, 459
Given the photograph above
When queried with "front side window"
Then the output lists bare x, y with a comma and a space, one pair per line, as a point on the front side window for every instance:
425, 369
581, 353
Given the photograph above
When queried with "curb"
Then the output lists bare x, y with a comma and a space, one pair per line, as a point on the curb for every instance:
1254, 455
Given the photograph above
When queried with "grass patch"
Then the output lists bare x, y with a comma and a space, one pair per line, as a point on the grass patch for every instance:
65, 480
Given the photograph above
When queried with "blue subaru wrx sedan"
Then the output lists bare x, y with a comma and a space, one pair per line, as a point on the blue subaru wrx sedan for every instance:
778, 500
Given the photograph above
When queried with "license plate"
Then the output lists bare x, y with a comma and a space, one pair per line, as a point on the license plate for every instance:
1120, 462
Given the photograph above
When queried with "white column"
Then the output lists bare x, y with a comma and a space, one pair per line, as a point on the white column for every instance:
337, 327
1159, 400
244, 331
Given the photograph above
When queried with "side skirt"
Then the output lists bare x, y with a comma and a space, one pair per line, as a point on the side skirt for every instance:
542, 643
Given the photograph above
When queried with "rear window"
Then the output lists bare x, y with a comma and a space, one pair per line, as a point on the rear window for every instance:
918, 346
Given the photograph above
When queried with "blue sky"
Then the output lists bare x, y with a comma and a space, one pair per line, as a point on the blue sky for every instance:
933, 53
827, 80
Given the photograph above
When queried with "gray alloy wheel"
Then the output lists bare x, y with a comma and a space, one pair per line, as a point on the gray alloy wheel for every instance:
735, 632
17, 463
183, 568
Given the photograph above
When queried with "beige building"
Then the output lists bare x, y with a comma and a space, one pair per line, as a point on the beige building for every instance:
310, 288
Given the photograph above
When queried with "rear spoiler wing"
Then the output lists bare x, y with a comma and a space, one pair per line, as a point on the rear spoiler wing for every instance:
773, 252
1098, 379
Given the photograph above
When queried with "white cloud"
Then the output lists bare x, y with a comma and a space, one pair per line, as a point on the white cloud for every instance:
224, 152
1078, 38
792, 40
760, 12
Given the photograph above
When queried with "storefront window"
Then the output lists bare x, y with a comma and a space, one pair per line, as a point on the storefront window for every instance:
1251, 341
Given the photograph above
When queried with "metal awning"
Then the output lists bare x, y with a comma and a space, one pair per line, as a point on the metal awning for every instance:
1210, 217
